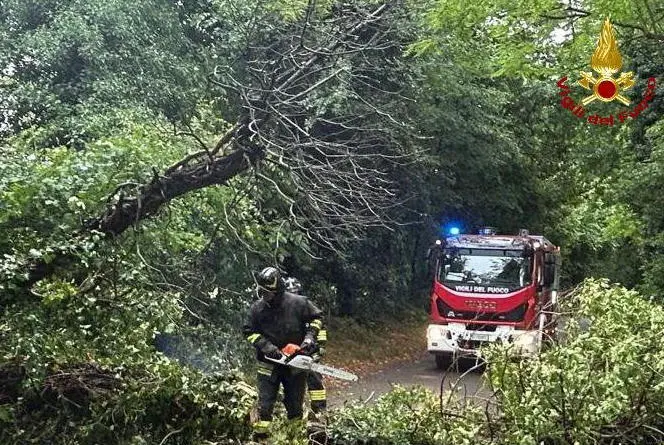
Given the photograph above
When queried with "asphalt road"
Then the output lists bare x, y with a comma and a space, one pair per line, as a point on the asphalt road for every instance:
422, 372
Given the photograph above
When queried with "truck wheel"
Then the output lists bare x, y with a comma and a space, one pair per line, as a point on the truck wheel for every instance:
443, 360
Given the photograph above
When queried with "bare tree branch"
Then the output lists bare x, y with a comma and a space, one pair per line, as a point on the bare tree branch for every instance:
313, 110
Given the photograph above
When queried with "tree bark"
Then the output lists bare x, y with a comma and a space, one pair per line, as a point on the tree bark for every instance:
163, 189
151, 197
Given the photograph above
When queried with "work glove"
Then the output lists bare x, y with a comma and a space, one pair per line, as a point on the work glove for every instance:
308, 346
271, 351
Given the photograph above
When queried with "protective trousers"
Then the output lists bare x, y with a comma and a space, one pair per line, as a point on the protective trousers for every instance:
269, 379
316, 392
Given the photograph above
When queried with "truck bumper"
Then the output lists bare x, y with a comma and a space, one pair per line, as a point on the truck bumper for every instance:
455, 338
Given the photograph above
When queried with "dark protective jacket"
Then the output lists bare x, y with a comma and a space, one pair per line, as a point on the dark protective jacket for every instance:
291, 321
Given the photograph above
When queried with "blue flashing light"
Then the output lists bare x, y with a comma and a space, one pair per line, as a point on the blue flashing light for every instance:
451, 228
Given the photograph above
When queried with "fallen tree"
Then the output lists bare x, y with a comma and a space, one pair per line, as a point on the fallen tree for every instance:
328, 160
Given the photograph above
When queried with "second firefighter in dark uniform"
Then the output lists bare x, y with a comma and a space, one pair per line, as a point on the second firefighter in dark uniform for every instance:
277, 319
315, 379
317, 395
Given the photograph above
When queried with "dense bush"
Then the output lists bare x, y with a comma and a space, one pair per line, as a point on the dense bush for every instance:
406, 416
140, 404
601, 384
84, 369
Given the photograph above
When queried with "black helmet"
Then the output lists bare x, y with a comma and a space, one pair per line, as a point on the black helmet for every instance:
270, 283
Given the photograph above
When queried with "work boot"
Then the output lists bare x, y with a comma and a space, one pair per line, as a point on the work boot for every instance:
316, 421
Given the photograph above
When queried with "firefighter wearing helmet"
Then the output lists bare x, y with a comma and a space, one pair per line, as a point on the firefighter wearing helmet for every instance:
277, 319
317, 395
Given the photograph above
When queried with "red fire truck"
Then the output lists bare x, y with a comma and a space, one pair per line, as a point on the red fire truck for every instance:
492, 288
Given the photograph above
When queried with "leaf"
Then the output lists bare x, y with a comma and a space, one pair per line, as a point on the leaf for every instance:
5, 414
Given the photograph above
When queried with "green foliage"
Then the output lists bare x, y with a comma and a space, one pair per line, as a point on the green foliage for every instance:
529, 39
47, 195
89, 369
405, 416
289, 432
602, 384
100, 93
130, 404
69, 61
639, 181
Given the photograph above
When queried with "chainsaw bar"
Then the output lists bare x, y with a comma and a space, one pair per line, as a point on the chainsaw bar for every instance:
333, 372
307, 363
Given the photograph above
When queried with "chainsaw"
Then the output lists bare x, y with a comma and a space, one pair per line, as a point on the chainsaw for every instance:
295, 359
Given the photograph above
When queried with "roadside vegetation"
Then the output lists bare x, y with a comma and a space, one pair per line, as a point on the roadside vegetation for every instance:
601, 384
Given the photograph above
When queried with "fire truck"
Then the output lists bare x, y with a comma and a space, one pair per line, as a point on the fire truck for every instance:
491, 288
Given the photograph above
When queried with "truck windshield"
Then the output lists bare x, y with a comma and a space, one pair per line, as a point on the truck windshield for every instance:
485, 270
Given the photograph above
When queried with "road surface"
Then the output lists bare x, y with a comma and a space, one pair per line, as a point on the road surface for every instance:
421, 371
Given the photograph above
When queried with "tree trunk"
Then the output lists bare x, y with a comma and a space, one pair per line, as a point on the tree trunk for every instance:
150, 198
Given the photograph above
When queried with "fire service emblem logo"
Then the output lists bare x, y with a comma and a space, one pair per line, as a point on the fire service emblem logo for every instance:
606, 62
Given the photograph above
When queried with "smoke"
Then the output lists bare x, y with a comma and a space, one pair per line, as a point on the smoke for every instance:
205, 352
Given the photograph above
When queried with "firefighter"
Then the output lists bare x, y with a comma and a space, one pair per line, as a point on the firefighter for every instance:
317, 395
275, 320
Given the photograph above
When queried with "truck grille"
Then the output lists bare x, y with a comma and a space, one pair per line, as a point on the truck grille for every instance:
481, 327
514, 315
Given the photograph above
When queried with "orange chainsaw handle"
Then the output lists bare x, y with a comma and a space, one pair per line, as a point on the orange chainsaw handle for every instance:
290, 349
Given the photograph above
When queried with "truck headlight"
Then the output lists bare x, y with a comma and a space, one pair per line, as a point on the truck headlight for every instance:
435, 332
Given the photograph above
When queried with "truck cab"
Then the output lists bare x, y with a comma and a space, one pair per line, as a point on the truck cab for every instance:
491, 288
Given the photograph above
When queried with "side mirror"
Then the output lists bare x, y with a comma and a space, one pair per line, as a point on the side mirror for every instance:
549, 269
